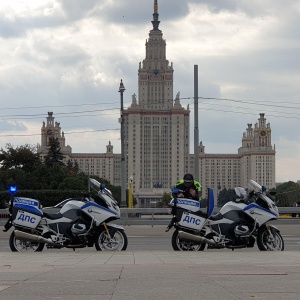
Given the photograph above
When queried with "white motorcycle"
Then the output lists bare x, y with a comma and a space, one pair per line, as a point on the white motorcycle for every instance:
239, 224
79, 223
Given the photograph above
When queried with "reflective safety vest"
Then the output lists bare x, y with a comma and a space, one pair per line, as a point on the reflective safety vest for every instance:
196, 183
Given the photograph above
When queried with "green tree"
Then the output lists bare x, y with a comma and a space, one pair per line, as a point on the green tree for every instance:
74, 183
287, 193
73, 167
165, 200
20, 158
57, 174
13, 177
42, 177
54, 155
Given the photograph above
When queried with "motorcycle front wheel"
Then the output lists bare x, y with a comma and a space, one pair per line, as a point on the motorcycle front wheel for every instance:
17, 245
267, 242
116, 242
185, 245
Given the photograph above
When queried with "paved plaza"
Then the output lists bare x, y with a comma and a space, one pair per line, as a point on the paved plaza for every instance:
88, 274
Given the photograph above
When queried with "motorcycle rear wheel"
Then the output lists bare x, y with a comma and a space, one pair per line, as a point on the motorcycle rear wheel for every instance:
17, 245
266, 242
117, 242
185, 245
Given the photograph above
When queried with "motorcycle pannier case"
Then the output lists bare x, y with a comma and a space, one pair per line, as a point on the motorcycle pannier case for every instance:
26, 212
190, 220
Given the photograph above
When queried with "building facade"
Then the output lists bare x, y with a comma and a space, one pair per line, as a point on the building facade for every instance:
157, 135
255, 159
105, 165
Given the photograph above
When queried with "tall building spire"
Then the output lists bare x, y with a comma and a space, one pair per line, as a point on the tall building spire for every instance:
155, 21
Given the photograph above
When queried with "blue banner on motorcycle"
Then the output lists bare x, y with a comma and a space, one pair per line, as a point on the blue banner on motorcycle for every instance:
26, 201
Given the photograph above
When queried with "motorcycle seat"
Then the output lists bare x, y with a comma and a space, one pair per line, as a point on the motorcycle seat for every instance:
53, 216
216, 217
200, 214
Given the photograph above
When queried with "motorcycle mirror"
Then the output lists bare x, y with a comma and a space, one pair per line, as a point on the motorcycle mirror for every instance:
240, 192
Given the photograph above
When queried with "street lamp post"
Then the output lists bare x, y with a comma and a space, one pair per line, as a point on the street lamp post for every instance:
196, 129
130, 192
219, 190
123, 166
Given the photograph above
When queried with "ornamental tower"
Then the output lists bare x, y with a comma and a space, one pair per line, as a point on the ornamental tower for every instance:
155, 73
52, 129
156, 125
257, 154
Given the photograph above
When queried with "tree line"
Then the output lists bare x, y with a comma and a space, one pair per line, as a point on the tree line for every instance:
50, 180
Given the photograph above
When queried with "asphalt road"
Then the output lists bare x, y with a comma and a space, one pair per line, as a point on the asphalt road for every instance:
155, 238
147, 237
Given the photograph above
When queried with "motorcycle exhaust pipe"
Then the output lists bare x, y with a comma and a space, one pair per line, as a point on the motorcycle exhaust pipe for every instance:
32, 237
188, 236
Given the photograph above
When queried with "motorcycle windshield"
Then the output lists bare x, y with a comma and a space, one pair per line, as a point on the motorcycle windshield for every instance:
109, 201
107, 198
95, 183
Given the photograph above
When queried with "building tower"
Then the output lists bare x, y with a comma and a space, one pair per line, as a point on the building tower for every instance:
257, 154
156, 126
255, 160
52, 129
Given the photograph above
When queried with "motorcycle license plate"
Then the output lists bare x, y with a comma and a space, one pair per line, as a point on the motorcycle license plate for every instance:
191, 221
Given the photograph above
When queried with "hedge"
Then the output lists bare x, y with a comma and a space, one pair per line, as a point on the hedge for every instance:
46, 197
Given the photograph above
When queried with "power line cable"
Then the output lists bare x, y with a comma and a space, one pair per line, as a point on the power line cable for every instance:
71, 114
56, 114
249, 113
71, 132
255, 102
247, 102
239, 107
52, 106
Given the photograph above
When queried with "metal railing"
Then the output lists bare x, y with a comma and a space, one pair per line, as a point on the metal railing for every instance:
161, 216
152, 216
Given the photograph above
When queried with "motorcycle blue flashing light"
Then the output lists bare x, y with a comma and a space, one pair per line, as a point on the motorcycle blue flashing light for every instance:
264, 188
12, 189
175, 191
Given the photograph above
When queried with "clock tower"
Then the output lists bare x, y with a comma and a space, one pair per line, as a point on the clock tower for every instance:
262, 133
156, 125
257, 154
49, 130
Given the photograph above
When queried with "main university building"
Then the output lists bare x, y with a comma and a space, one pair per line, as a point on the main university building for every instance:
157, 135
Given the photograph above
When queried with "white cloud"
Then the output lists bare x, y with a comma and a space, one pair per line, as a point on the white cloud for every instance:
60, 55
287, 167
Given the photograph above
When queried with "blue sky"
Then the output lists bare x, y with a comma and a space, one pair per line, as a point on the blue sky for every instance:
68, 57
